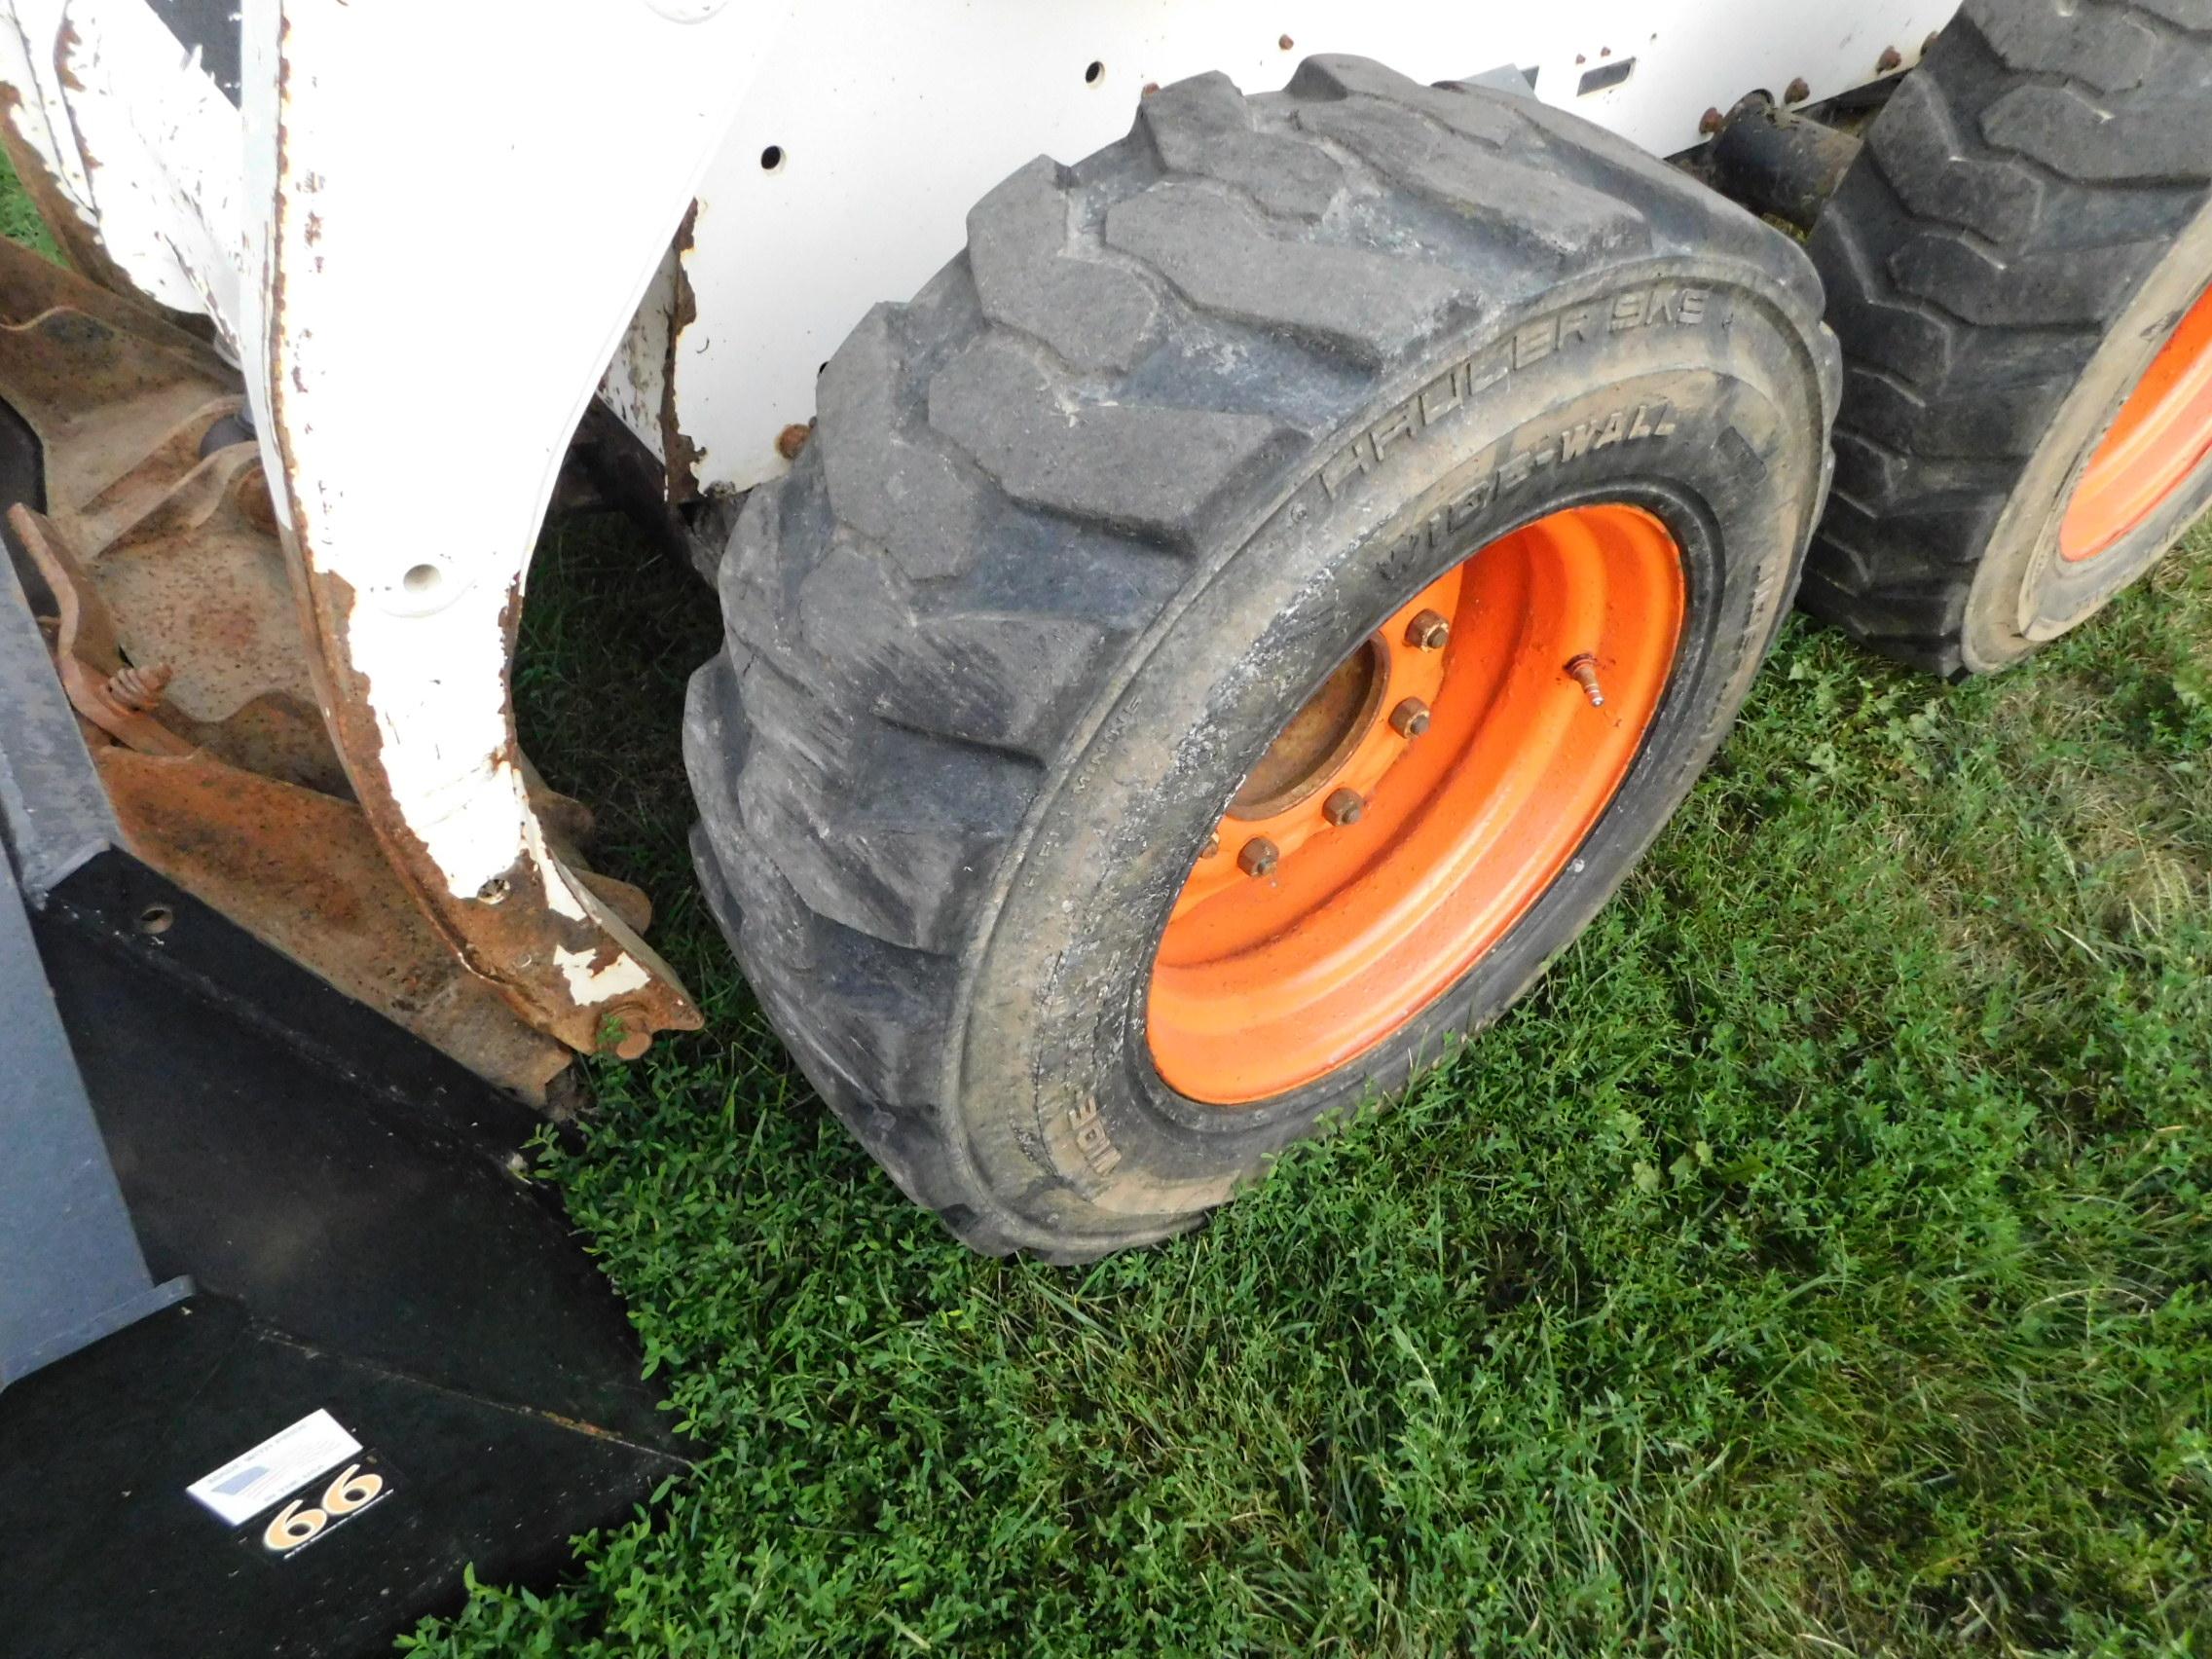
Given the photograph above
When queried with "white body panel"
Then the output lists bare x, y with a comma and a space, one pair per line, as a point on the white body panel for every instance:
892, 119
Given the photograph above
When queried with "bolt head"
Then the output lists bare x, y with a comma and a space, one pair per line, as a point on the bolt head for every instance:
1257, 856
1710, 122
626, 1032
1890, 59
1427, 631
1409, 718
792, 439
1797, 91
1212, 846
1286, 43
1343, 807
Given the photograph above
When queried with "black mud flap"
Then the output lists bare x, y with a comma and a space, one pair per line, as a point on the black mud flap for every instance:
287, 1338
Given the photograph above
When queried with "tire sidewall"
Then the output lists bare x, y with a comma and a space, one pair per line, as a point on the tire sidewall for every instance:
2025, 594
1060, 1107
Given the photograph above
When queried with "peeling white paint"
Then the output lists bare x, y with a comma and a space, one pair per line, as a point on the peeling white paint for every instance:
590, 986
169, 147
424, 413
30, 30
637, 376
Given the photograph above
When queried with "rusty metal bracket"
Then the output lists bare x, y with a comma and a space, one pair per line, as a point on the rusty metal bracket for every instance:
211, 670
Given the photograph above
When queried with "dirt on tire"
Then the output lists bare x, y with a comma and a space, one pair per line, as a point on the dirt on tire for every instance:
1084, 521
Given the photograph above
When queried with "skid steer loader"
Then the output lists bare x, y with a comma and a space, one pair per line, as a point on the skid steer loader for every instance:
1235, 525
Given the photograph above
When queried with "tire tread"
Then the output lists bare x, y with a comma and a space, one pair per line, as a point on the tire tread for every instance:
1974, 260
1014, 473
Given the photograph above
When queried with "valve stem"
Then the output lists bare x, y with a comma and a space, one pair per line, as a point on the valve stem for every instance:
1583, 671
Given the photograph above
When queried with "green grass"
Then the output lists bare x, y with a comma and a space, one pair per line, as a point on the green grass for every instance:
19, 218
1817, 1263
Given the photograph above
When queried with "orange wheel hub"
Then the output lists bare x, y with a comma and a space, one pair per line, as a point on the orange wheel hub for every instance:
1412, 811
2161, 433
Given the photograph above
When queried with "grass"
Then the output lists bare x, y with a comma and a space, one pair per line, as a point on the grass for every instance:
19, 218
1817, 1263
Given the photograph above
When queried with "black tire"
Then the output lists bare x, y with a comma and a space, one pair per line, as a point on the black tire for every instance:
2030, 218
1061, 558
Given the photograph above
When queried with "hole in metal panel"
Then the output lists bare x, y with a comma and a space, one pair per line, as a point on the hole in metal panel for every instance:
1604, 75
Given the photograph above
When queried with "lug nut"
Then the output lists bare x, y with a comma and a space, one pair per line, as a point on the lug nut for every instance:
1343, 807
1797, 91
1583, 671
1257, 856
1710, 122
1427, 631
1409, 718
793, 438
1286, 43
1891, 57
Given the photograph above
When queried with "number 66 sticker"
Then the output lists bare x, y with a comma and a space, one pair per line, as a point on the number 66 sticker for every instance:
352, 1488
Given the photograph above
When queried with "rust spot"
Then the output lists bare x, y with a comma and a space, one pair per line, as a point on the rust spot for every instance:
678, 452
304, 873
792, 439
79, 242
65, 45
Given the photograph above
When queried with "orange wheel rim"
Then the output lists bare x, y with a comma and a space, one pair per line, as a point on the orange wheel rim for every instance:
1418, 805
2156, 440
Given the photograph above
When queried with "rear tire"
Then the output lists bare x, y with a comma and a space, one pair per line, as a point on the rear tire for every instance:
2029, 221
1089, 519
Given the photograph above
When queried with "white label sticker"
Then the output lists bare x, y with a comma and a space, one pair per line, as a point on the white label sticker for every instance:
252, 1481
